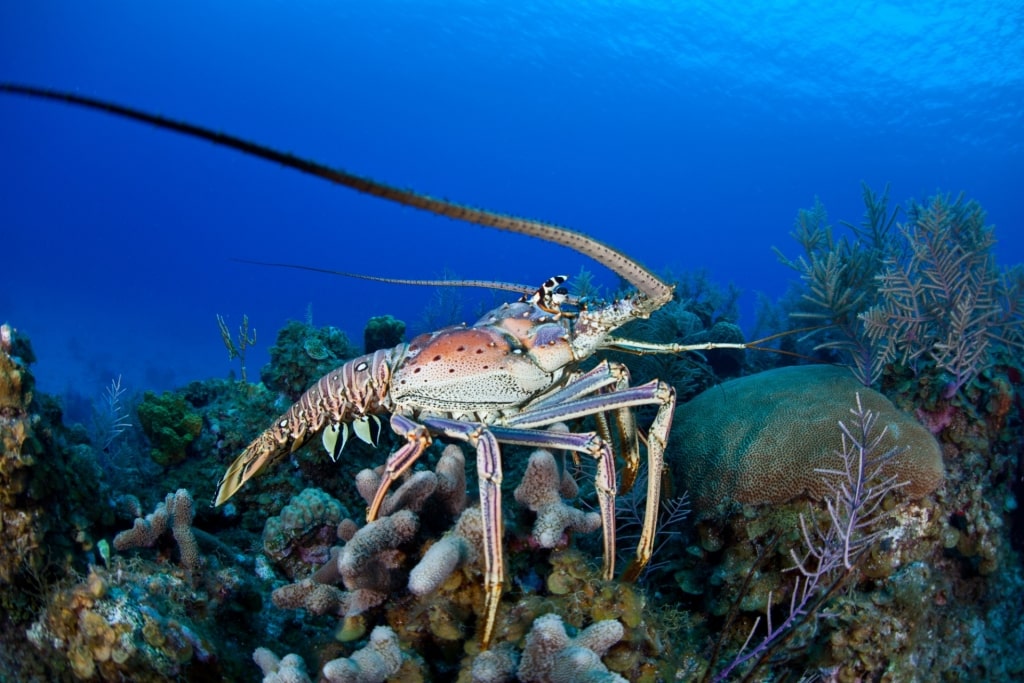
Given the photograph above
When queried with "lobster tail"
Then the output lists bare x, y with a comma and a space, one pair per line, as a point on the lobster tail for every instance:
288, 433
348, 394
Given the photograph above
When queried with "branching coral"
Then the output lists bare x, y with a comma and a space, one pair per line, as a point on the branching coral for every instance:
940, 297
177, 511
380, 658
539, 491
364, 565
287, 669
551, 656
372, 563
924, 296
462, 545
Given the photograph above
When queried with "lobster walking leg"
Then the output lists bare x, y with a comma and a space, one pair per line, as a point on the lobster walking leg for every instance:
417, 440
488, 463
598, 378
653, 393
604, 479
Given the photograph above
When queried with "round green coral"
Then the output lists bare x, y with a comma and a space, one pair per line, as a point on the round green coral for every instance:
383, 332
170, 424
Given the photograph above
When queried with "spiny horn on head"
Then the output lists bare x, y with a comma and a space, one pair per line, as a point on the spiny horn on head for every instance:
615, 260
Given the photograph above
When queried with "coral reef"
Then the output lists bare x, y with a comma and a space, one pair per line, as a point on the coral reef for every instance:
301, 354
170, 424
551, 656
176, 511
817, 566
780, 429
299, 539
382, 332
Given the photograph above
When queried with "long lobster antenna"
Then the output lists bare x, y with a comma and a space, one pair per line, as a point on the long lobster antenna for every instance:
641, 278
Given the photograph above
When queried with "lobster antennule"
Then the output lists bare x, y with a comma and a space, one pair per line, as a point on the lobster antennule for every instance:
647, 282
482, 284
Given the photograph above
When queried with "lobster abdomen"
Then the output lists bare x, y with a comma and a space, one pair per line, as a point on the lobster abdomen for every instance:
352, 390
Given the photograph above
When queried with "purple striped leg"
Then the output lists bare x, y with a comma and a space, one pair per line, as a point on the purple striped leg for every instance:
655, 393
485, 439
417, 440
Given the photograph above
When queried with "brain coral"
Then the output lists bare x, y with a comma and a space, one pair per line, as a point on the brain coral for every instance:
759, 439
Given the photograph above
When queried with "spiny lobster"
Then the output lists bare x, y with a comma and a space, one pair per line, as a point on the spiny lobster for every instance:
501, 380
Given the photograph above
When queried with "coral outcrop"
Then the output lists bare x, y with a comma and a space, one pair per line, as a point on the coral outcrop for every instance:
128, 624
299, 539
301, 354
22, 521
382, 332
777, 429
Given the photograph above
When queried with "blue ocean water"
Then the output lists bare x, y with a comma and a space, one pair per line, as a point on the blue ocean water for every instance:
686, 134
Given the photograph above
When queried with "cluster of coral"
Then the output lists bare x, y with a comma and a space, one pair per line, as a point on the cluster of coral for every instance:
846, 525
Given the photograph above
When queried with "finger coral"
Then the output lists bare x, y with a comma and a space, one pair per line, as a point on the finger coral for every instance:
539, 491
380, 658
287, 669
446, 484
176, 510
460, 546
551, 656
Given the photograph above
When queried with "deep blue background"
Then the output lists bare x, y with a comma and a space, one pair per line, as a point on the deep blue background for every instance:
686, 134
